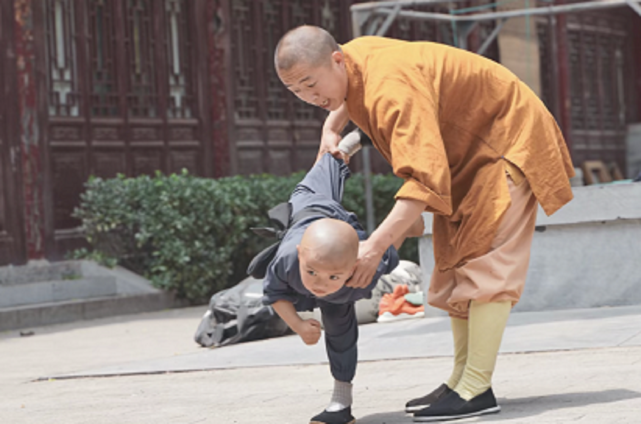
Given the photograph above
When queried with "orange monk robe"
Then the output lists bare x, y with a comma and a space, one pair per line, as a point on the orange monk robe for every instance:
451, 123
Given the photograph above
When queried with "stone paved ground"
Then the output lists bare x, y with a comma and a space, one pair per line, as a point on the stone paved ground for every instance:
599, 384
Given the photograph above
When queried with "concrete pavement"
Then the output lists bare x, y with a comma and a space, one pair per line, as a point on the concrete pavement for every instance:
556, 367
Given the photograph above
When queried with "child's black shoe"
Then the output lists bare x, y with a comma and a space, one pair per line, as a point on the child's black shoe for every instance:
344, 416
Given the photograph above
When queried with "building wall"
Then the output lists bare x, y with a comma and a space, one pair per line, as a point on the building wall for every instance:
583, 256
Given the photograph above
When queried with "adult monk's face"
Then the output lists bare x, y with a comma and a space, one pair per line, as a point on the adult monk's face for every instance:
324, 86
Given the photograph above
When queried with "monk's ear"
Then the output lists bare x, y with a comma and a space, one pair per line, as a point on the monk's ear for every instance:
337, 57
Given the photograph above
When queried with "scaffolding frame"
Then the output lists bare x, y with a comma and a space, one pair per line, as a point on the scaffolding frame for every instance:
380, 15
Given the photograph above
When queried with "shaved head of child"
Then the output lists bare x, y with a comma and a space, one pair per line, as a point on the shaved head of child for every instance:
327, 256
311, 65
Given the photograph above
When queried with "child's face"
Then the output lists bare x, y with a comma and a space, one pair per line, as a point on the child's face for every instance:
320, 277
322, 86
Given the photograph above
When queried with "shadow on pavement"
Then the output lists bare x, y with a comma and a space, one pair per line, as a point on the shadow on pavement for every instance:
529, 406
398, 417
520, 407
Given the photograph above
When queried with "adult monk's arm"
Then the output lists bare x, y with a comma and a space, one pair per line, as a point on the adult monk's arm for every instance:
331, 135
417, 229
400, 219
405, 117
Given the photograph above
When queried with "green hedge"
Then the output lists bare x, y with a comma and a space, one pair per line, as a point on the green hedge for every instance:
191, 235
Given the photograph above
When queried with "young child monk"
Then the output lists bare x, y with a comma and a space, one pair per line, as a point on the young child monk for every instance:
476, 147
314, 260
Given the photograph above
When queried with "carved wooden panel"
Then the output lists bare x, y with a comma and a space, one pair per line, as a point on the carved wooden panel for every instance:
182, 133
307, 134
243, 50
107, 164
304, 12
101, 66
179, 43
279, 134
69, 172
147, 161
250, 160
280, 162
3, 169
140, 45
64, 97
65, 133
184, 159
306, 156
273, 28
144, 133
106, 133
247, 133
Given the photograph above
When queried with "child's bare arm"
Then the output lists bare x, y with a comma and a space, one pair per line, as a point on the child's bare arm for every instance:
309, 330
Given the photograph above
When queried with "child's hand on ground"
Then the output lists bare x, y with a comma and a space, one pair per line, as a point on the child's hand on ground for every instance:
309, 330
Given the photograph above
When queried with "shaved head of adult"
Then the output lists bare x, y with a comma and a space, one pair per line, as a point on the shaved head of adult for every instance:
309, 45
311, 65
327, 256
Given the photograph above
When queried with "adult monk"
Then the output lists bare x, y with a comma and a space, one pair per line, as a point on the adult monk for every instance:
475, 146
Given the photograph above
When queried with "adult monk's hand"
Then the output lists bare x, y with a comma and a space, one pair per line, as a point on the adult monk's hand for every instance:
366, 265
331, 134
329, 144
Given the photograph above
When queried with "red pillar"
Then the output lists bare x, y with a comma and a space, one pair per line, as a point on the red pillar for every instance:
29, 131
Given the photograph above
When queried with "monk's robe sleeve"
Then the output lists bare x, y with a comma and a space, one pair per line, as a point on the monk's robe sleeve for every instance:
406, 118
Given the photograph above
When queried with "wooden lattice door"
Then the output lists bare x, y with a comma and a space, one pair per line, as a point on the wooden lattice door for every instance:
593, 101
271, 130
600, 63
125, 95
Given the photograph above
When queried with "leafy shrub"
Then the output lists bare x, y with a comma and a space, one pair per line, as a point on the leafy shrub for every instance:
191, 235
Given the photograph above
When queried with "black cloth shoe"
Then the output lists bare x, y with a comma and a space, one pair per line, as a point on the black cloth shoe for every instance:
427, 400
452, 407
344, 416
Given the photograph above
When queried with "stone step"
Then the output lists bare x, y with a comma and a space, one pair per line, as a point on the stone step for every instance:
40, 270
57, 291
26, 316
42, 293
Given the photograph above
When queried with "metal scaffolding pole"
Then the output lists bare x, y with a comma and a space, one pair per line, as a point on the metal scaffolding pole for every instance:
383, 9
464, 24
490, 38
402, 3
635, 6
